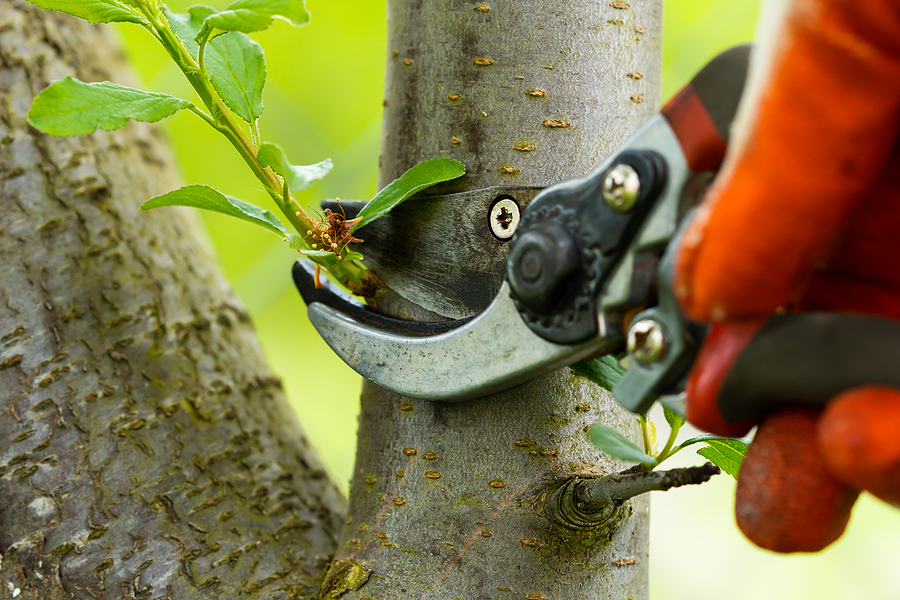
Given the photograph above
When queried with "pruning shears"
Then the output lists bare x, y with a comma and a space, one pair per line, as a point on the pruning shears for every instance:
588, 271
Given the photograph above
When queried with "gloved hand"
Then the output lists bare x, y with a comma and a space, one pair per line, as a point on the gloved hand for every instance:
804, 215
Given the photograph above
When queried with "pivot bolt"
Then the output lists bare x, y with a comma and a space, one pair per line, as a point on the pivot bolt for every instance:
540, 262
504, 218
621, 188
647, 342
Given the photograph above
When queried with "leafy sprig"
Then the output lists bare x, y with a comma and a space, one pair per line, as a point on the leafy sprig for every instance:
726, 453
227, 70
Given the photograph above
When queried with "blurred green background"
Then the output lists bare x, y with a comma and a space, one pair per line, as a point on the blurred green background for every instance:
323, 99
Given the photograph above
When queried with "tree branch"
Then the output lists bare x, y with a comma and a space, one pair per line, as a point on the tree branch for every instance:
591, 495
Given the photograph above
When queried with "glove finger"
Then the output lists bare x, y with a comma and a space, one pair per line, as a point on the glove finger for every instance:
863, 272
721, 348
813, 132
787, 500
857, 435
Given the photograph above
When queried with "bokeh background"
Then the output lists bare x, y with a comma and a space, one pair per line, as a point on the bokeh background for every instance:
323, 99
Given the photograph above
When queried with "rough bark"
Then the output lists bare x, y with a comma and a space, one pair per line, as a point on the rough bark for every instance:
146, 451
471, 500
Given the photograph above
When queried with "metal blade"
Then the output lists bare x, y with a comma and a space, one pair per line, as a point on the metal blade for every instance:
493, 352
439, 252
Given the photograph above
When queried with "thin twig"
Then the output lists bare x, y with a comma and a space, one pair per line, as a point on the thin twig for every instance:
593, 494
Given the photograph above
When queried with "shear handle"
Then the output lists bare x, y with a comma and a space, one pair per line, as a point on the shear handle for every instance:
807, 358
702, 112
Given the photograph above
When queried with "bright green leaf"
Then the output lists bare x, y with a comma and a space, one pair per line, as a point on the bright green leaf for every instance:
248, 16
296, 242
328, 259
229, 20
203, 196
604, 371
186, 26
651, 434
71, 107
237, 70
97, 11
726, 453
298, 177
672, 418
614, 443
235, 63
421, 176
320, 257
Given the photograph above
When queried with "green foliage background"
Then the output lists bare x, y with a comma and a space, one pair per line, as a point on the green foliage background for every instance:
323, 99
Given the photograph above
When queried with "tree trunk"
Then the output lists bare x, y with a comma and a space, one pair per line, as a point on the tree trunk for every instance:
468, 500
145, 449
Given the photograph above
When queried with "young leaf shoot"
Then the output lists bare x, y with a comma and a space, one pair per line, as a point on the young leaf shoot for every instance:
227, 69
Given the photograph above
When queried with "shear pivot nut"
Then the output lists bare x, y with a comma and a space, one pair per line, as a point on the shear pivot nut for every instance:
540, 262
647, 342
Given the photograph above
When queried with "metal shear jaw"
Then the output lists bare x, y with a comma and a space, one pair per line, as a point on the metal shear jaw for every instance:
497, 349
601, 238
468, 359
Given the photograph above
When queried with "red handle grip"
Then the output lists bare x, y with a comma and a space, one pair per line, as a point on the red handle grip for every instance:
702, 112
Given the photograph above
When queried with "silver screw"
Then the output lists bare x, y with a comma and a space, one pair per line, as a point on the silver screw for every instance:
504, 218
647, 341
621, 188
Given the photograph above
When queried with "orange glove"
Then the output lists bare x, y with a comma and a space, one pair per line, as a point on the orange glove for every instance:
804, 215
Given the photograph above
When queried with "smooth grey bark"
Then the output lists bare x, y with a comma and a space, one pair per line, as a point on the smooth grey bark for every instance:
469, 500
146, 451
582, 62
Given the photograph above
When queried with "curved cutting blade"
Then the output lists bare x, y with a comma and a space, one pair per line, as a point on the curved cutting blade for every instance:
494, 351
439, 252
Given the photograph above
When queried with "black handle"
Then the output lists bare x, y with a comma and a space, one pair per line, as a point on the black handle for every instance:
807, 358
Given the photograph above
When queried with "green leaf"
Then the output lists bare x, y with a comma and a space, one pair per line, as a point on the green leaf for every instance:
321, 257
421, 176
726, 453
296, 242
71, 107
97, 11
604, 371
236, 64
328, 259
298, 177
651, 434
237, 70
203, 196
614, 443
186, 26
672, 418
248, 16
